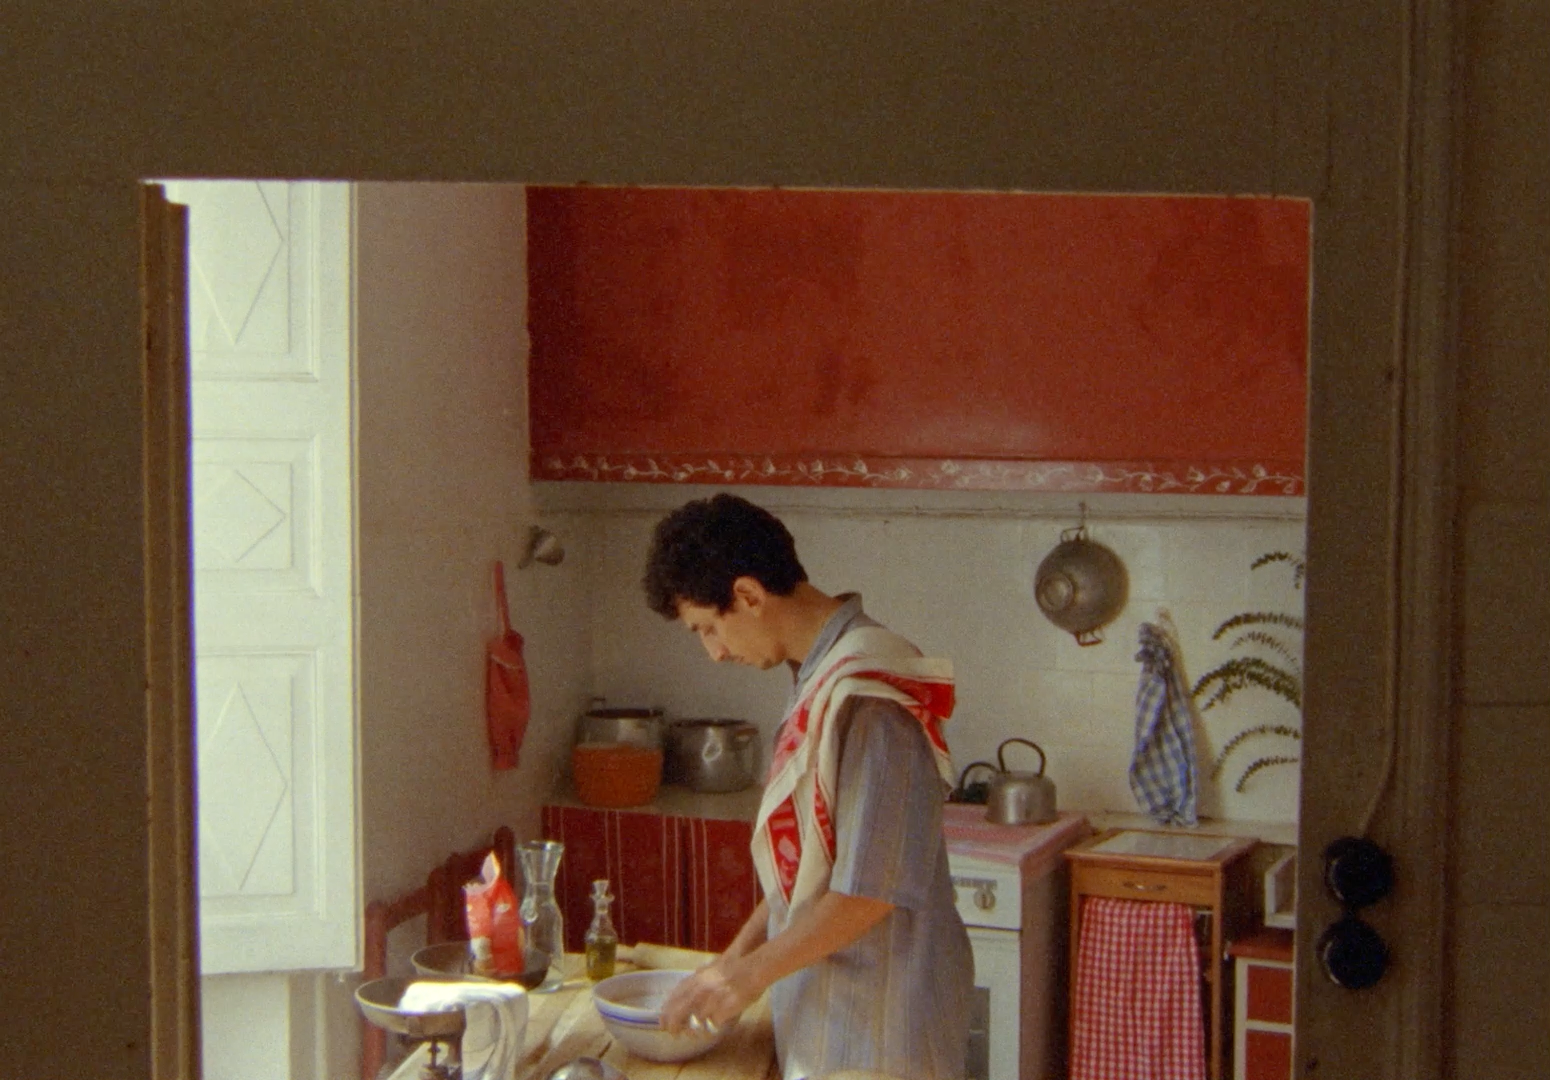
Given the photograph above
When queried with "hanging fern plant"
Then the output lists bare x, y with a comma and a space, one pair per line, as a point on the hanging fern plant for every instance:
1268, 657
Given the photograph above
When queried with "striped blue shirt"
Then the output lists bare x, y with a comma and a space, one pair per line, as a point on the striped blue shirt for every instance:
896, 1001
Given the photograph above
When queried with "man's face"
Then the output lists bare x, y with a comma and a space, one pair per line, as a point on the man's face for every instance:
738, 634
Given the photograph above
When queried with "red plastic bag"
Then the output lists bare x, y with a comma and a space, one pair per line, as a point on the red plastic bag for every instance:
506, 703
494, 923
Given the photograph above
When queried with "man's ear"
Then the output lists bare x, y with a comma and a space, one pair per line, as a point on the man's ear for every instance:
751, 591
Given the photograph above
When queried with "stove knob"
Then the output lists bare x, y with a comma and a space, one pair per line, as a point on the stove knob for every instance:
985, 897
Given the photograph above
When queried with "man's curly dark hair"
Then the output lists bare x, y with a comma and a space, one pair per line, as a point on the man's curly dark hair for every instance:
701, 548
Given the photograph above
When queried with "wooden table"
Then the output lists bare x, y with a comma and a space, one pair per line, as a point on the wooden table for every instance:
564, 1025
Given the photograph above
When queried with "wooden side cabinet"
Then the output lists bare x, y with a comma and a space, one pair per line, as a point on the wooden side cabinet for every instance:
1207, 873
1263, 1005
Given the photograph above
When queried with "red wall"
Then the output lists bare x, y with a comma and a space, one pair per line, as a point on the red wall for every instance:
917, 326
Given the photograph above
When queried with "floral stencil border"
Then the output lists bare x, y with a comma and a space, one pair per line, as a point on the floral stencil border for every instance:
954, 474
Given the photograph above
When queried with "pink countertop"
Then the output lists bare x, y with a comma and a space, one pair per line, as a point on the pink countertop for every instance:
1025, 846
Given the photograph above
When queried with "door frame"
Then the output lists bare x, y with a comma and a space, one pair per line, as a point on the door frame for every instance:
1381, 768
169, 625
1380, 761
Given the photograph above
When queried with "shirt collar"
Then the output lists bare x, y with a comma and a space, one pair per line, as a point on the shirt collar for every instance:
847, 613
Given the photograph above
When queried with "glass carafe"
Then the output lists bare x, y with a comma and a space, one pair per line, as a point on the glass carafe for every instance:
541, 921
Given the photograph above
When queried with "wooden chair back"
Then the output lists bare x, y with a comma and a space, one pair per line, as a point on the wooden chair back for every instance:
440, 900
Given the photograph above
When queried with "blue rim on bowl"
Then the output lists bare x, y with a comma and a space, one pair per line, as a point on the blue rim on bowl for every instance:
630, 1006
636, 997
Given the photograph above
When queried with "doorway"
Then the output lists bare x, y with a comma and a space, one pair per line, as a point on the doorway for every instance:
441, 334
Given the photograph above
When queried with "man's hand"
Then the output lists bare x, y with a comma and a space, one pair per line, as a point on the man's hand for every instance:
711, 996
722, 989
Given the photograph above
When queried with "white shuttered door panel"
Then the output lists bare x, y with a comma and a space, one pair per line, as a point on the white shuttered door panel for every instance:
270, 294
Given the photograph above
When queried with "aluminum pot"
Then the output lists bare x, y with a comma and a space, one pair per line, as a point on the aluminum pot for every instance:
712, 755
1081, 585
639, 726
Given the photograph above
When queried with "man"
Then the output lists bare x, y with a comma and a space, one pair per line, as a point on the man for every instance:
857, 938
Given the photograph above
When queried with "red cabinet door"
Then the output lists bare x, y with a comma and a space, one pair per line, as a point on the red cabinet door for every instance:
676, 880
636, 853
721, 888
918, 339
1265, 1005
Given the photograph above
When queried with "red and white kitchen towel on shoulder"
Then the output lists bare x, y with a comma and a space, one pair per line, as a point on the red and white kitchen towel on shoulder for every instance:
1136, 1006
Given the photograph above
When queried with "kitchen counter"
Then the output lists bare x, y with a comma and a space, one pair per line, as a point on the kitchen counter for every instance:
564, 1025
1279, 833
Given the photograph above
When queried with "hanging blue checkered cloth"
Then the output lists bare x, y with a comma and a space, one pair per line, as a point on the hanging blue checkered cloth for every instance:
1162, 767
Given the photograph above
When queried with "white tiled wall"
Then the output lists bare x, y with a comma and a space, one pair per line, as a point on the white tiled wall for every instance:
959, 583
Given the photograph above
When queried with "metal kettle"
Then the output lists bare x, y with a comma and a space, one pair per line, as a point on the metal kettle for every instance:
1020, 798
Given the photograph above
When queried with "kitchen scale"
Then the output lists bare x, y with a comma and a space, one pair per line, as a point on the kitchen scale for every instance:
442, 1030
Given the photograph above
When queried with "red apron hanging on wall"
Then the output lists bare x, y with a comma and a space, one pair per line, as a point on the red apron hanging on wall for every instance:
506, 703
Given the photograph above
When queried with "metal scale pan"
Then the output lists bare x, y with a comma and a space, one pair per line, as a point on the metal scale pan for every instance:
378, 1001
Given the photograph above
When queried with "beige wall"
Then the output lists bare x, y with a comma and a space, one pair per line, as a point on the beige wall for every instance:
1208, 95
443, 493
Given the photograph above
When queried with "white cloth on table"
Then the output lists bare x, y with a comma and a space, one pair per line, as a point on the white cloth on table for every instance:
495, 1022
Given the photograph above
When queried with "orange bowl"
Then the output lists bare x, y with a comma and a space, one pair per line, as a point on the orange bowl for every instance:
615, 774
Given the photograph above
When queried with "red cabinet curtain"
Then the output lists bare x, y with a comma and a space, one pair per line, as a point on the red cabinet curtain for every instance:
676, 880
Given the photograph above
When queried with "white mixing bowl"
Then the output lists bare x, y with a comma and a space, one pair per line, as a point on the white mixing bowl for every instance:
631, 1007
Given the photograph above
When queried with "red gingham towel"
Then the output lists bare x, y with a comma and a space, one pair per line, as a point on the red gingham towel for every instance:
1136, 1013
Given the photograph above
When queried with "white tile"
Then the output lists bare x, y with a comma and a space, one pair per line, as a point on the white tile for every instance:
1114, 654
962, 586
1141, 549
1273, 586
1113, 706
1269, 795
1091, 778
1056, 704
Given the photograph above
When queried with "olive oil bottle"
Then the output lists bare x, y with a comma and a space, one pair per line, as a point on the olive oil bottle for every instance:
602, 941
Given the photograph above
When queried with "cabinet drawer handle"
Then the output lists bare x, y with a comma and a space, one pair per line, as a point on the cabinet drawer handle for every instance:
1140, 887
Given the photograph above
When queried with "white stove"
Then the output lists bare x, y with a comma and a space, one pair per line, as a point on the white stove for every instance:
1011, 886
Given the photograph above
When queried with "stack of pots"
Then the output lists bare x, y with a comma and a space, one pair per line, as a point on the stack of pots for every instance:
622, 754
713, 755
617, 759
